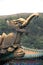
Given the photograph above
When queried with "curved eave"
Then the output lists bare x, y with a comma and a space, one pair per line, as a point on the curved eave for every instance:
29, 54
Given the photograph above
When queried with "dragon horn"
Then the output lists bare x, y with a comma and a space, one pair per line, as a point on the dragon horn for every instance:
29, 18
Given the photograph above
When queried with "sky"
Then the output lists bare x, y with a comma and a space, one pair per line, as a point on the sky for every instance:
8, 7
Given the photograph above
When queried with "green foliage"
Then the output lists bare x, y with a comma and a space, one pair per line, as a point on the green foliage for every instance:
34, 39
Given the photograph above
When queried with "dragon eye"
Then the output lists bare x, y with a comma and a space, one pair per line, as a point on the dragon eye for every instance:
15, 22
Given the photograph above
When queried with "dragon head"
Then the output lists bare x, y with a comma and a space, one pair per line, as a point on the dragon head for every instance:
21, 22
